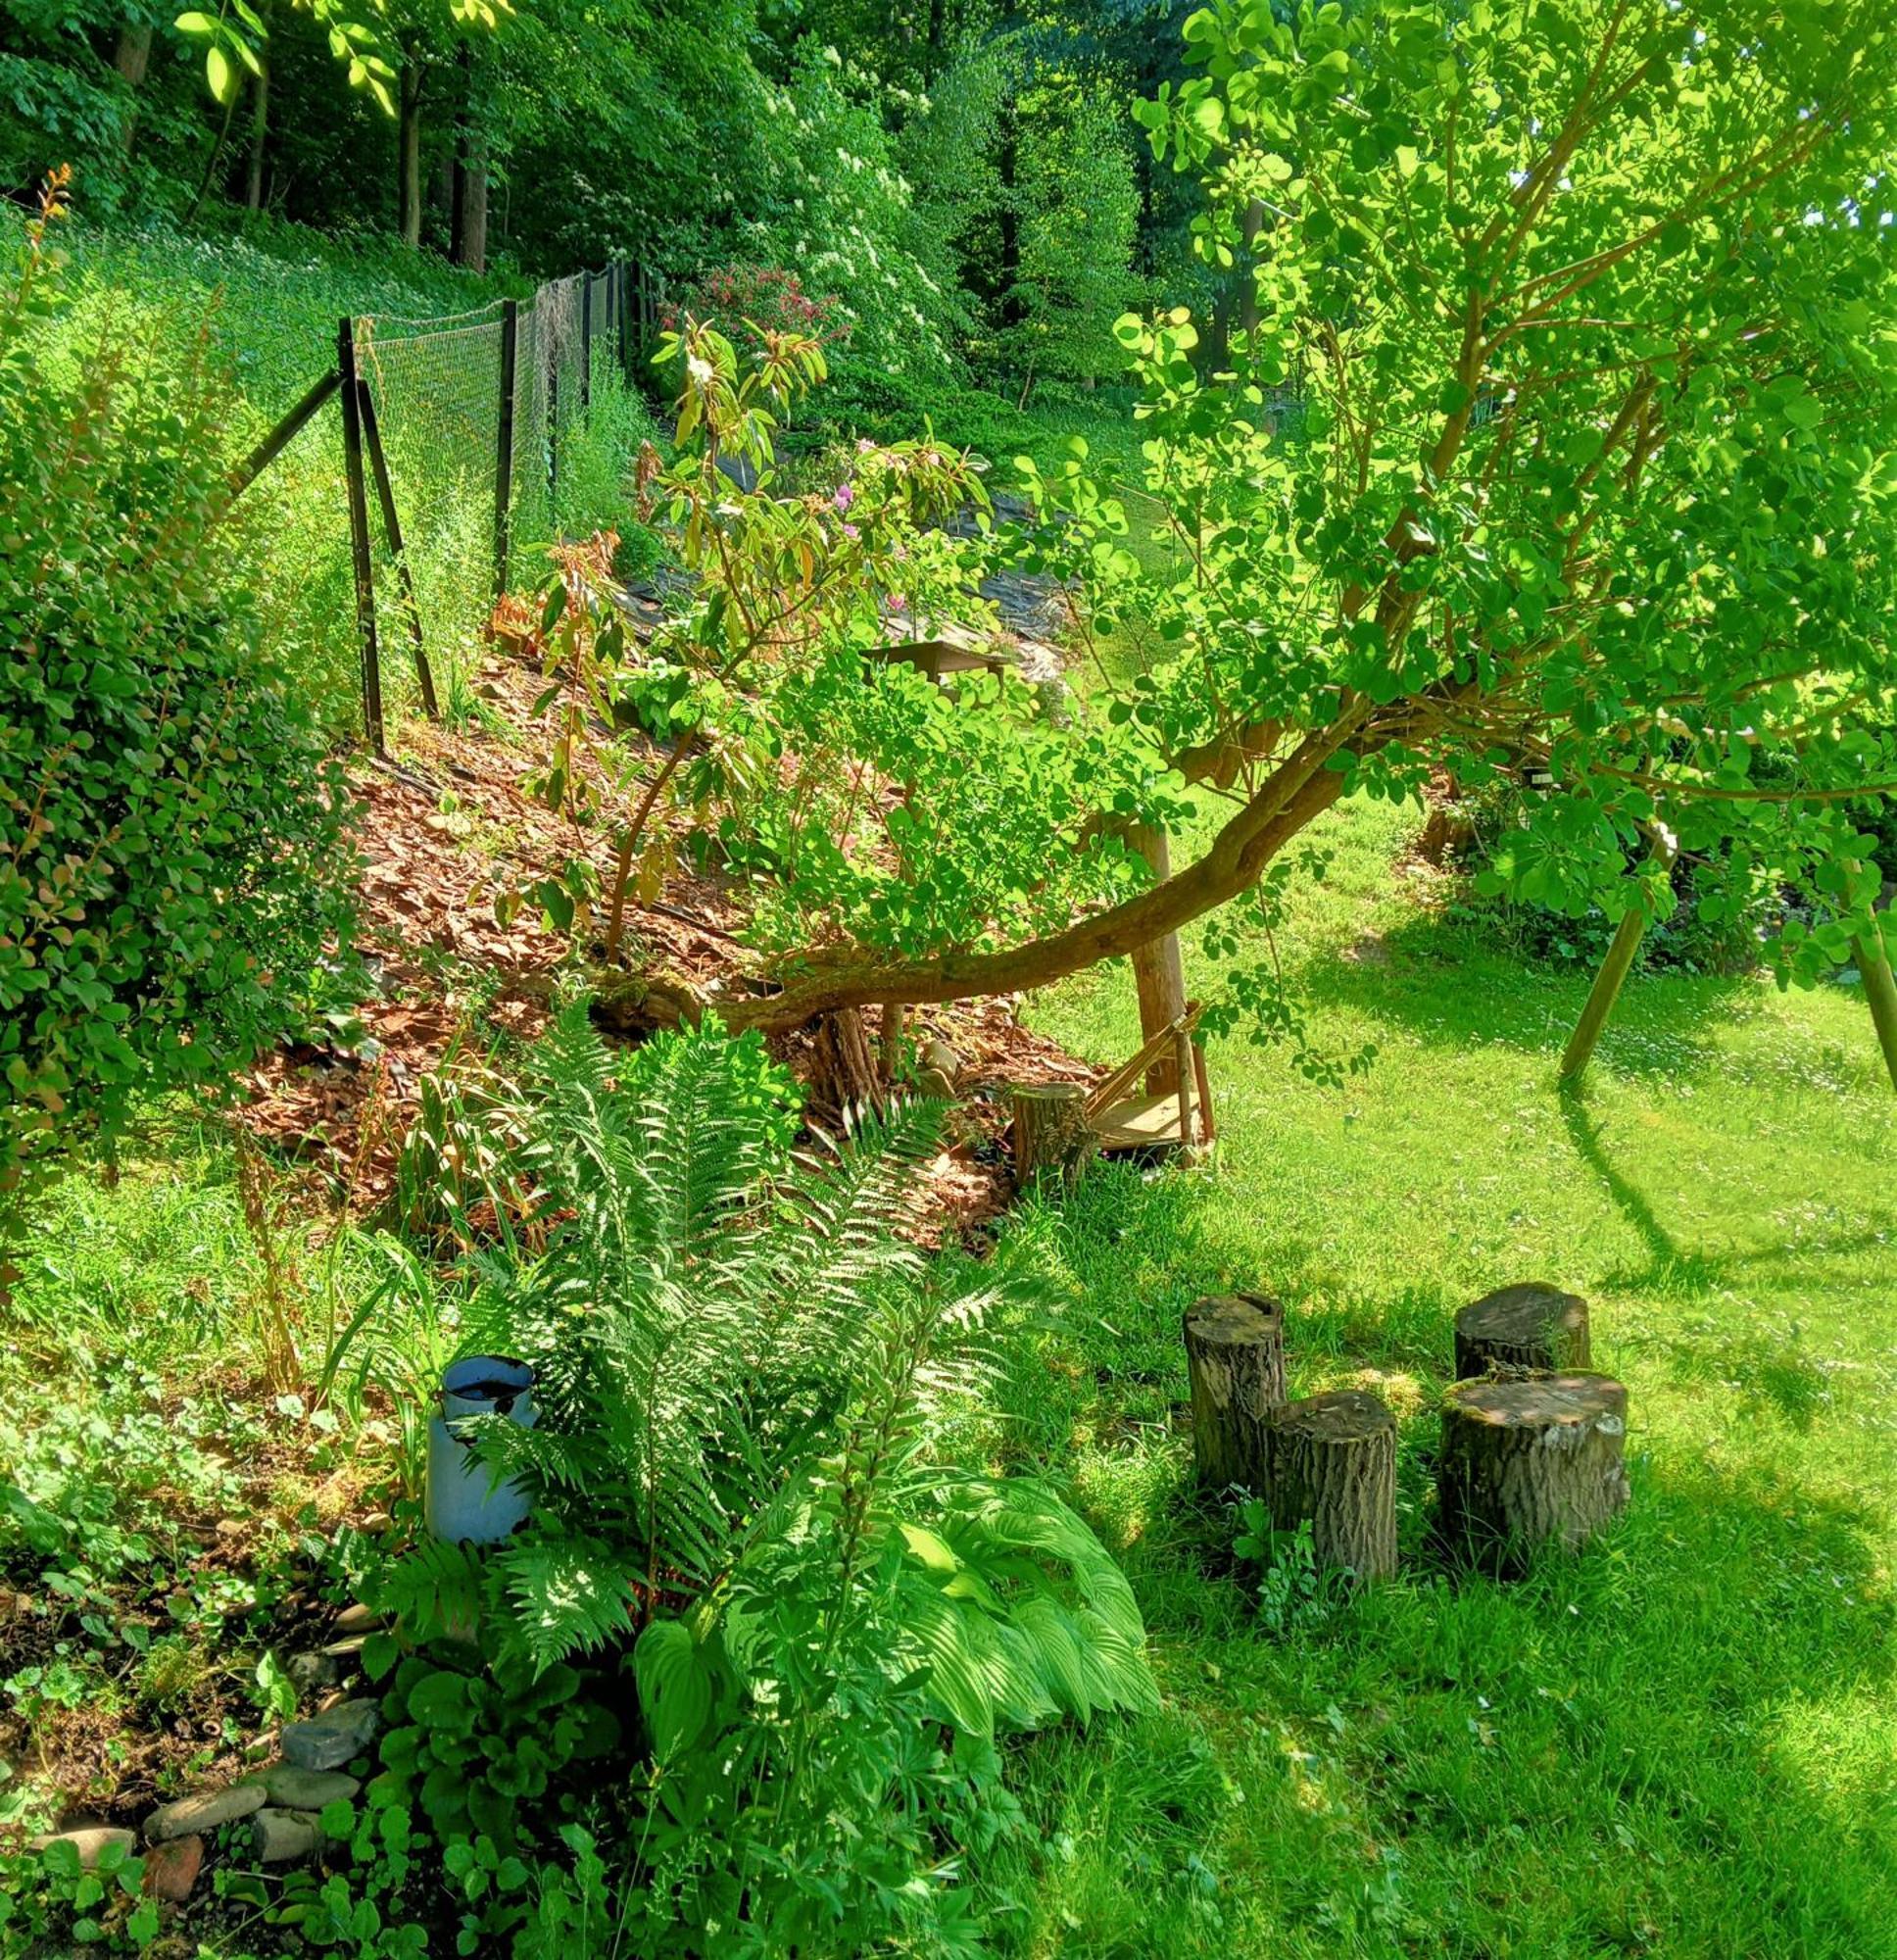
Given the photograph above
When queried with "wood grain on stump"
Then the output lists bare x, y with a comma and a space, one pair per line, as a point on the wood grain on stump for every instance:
1051, 1130
1530, 1459
1235, 1360
1530, 1326
1333, 1459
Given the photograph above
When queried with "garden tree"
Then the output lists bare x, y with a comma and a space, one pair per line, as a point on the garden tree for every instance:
1592, 474
1076, 209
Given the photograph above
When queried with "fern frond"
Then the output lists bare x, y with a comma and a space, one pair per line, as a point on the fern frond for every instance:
570, 1595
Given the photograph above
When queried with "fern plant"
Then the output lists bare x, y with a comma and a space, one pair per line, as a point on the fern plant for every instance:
741, 1370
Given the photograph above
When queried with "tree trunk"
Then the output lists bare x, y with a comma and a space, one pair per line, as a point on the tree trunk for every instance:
1333, 1459
1529, 1460
1158, 971
1299, 791
131, 58
260, 124
409, 148
846, 1073
471, 202
1519, 1327
1254, 218
1235, 1362
1051, 1131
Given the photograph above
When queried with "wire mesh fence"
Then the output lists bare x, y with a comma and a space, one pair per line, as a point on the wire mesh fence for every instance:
470, 441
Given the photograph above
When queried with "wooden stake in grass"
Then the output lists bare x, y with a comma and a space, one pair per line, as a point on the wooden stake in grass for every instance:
1874, 963
1235, 1361
1605, 989
1529, 1461
1519, 1327
1333, 1459
1051, 1130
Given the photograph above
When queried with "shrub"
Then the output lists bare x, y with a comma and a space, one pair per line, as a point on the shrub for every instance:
170, 824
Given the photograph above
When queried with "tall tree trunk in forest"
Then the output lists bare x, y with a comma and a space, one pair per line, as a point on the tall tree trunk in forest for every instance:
1010, 217
1254, 218
260, 126
409, 148
131, 58
468, 224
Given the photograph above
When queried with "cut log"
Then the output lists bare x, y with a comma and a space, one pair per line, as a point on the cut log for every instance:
1530, 1459
1516, 1327
1332, 1458
1235, 1361
1052, 1132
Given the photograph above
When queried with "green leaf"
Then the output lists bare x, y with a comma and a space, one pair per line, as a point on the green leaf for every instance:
674, 1686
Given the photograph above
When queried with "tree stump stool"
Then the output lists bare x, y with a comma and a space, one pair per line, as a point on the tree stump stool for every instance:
1516, 1327
1051, 1130
1333, 1459
1530, 1459
1235, 1360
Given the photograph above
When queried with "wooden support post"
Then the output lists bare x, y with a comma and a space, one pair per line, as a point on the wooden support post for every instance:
1519, 1327
1607, 982
358, 545
1158, 971
1183, 1070
586, 342
503, 445
392, 531
895, 1013
1235, 1364
283, 435
1332, 1458
1207, 1122
1529, 1460
1051, 1131
1881, 990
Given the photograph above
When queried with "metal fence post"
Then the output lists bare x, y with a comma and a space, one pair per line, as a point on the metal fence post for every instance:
625, 336
392, 531
503, 451
586, 342
359, 534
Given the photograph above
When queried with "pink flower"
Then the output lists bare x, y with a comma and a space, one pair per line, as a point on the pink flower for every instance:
845, 497
851, 533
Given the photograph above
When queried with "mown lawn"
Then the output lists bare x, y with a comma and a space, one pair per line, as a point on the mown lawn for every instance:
1679, 1744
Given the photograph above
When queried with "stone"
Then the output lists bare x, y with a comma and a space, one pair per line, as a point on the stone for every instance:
932, 1083
356, 1619
89, 1840
328, 1741
345, 1649
311, 1673
944, 1060
294, 1789
172, 1869
278, 1836
204, 1812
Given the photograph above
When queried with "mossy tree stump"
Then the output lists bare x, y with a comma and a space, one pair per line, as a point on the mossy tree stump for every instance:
1235, 1360
1052, 1132
1515, 1326
1332, 1458
1530, 1459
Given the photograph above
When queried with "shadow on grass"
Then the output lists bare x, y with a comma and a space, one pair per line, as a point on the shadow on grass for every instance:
1449, 988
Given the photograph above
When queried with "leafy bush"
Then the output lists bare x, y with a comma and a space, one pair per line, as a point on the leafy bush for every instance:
1721, 937
741, 1376
171, 828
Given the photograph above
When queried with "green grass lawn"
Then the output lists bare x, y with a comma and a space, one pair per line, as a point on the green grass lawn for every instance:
1680, 1742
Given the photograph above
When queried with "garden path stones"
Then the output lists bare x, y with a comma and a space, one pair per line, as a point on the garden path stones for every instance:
277, 1836
191, 1814
328, 1741
295, 1788
89, 1840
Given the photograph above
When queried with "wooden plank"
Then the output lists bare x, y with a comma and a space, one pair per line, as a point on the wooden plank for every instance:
1143, 1123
